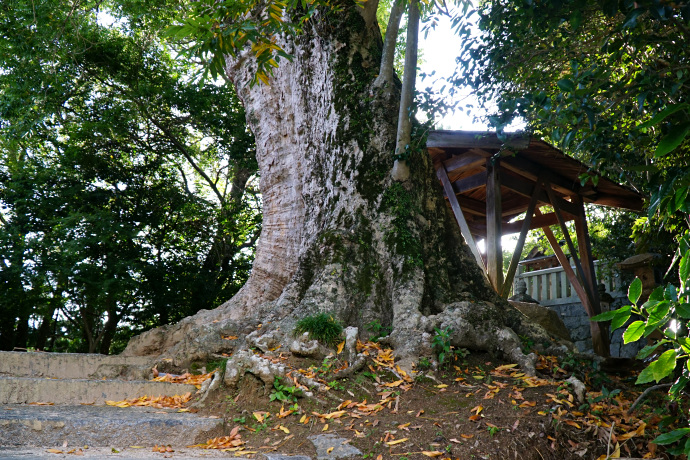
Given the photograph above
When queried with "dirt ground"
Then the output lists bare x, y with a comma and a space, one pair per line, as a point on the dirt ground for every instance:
474, 407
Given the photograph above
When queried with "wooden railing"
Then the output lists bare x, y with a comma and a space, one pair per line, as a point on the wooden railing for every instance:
550, 286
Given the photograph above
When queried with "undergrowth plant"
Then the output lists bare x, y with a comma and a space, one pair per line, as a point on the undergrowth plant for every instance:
445, 352
284, 393
667, 312
322, 327
378, 329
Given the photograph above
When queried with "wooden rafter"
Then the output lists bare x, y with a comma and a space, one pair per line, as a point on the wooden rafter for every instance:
526, 224
459, 217
569, 242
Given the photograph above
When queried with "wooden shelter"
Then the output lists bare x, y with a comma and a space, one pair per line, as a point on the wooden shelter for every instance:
490, 183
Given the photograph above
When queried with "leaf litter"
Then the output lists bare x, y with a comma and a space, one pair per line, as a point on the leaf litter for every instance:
512, 412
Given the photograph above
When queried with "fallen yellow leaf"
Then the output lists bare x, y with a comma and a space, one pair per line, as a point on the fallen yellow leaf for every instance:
340, 347
397, 441
325, 427
434, 453
505, 366
285, 430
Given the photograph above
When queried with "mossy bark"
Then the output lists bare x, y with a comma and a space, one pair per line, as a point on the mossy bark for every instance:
339, 234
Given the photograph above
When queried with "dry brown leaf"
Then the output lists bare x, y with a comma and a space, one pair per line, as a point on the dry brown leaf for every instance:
434, 453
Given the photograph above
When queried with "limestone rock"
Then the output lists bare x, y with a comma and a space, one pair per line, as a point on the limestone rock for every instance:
545, 317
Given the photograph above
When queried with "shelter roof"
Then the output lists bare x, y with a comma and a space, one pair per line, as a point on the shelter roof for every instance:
523, 161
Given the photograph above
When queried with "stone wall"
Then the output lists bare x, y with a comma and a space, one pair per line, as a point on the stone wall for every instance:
576, 320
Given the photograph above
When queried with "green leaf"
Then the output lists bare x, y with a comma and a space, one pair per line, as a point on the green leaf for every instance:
671, 293
645, 376
657, 294
649, 349
679, 198
631, 19
634, 332
673, 139
665, 365
620, 320
635, 291
658, 369
566, 84
663, 114
606, 316
678, 385
658, 312
670, 438
683, 310
684, 269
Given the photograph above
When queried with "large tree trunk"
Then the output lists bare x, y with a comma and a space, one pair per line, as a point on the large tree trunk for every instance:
339, 234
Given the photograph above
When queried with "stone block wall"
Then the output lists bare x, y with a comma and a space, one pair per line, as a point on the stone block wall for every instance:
576, 320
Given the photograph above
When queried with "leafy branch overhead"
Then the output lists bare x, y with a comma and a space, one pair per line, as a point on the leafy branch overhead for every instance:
607, 81
214, 30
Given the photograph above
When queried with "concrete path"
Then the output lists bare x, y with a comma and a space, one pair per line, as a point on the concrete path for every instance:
101, 426
131, 454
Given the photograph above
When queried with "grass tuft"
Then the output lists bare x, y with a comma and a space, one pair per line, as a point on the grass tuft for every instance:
322, 327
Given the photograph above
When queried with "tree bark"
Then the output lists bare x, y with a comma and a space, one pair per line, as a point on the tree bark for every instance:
339, 234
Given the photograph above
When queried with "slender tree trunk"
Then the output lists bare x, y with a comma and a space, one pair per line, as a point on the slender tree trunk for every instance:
44, 329
339, 235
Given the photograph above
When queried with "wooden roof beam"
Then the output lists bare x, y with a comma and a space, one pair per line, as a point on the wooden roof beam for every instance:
468, 160
544, 220
470, 183
531, 170
459, 216
476, 139
524, 188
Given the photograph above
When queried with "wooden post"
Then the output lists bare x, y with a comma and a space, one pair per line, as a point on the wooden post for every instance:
459, 216
521, 240
600, 339
585, 250
600, 331
494, 256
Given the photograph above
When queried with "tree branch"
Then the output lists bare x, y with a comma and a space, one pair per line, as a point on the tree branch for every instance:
645, 393
407, 93
183, 150
391, 38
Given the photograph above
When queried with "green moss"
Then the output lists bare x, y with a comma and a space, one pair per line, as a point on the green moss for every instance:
401, 238
353, 75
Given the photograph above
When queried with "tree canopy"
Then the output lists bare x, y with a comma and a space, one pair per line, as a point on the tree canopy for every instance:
127, 193
607, 81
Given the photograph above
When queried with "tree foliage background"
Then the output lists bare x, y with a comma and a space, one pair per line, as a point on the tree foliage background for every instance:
606, 81
127, 190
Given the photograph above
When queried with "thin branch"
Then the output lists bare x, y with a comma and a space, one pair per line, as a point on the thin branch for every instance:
183, 150
645, 393
389, 42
